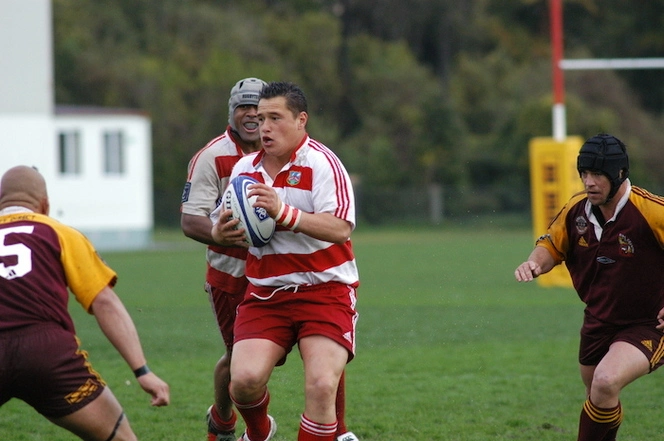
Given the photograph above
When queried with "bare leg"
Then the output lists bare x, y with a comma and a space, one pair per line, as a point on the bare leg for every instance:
97, 420
222, 378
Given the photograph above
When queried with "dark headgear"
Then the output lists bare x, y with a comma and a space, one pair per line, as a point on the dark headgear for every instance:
606, 154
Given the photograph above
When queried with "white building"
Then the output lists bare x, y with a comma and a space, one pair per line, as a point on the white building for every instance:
97, 162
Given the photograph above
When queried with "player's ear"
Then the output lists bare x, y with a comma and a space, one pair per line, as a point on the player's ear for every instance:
302, 120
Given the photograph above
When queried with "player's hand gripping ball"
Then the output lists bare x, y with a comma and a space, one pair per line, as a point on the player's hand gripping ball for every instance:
258, 225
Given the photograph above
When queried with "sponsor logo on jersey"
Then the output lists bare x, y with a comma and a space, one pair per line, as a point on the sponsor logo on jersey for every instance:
348, 336
605, 260
185, 192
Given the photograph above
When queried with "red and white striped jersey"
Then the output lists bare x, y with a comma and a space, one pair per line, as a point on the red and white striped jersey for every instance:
207, 177
314, 181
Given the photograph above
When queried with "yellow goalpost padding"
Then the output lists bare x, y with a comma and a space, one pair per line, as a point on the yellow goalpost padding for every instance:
553, 180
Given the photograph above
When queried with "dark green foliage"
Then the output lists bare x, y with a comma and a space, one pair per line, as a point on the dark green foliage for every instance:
408, 93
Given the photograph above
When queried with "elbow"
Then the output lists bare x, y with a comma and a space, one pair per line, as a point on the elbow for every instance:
342, 235
187, 227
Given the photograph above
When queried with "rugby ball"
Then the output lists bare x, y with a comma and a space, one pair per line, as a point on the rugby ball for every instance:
258, 225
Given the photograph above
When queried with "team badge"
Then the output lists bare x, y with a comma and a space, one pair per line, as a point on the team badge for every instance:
581, 225
626, 245
185, 192
294, 178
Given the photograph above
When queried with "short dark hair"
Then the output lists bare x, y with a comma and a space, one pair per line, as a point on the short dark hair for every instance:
296, 102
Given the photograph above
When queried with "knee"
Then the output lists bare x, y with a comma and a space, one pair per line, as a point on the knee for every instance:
605, 384
322, 387
247, 385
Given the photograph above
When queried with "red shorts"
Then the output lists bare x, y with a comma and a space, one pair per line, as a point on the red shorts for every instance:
44, 366
596, 338
224, 304
284, 316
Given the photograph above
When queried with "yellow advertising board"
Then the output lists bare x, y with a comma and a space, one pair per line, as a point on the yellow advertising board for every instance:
553, 180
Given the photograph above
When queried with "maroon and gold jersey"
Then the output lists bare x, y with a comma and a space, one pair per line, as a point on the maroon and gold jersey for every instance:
40, 261
617, 268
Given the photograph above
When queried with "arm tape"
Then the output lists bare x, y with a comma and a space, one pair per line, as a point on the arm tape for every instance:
288, 216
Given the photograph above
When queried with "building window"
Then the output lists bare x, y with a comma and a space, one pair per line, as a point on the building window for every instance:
69, 145
114, 153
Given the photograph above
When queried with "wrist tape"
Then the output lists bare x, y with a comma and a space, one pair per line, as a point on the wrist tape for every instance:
141, 371
288, 217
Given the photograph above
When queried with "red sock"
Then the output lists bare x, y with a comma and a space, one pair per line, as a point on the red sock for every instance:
341, 405
255, 416
311, 431
221, 425
597, 424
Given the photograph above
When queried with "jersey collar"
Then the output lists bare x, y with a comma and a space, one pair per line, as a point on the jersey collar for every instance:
13, 209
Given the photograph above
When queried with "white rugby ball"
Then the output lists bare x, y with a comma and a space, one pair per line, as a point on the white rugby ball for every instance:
258, 225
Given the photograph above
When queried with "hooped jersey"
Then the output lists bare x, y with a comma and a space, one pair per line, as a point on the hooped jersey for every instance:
207, 178
314, 181
42, 259
615, 268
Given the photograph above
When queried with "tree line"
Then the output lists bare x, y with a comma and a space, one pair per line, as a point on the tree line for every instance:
407, 92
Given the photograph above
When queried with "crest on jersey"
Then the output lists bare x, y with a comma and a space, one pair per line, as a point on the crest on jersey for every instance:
626, 245
581, 224
294, 178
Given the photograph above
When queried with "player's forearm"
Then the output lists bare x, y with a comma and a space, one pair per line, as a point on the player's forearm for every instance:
197, 228
117, 325
543, 258
324, 226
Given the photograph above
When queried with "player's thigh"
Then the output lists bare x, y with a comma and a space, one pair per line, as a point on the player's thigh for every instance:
324, 360
98, 420
623, 364
253, 360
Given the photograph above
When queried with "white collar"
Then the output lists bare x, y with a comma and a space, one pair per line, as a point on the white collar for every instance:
13, 209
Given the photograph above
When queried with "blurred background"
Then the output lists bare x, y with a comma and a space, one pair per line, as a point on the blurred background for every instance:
421, 99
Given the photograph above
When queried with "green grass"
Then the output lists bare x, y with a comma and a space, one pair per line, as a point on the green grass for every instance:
450, 347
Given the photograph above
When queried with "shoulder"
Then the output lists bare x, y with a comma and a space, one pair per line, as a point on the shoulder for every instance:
319, 156
222, 145
642, 195
67, 233
650, 205
651, 209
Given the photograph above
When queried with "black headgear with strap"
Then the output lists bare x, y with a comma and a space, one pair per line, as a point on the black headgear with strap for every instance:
608, 155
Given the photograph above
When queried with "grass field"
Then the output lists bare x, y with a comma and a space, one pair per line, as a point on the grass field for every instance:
450, 347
